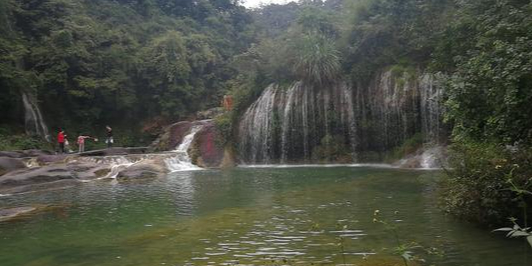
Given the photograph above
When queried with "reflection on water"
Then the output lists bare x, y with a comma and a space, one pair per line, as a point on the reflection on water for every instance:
251, 216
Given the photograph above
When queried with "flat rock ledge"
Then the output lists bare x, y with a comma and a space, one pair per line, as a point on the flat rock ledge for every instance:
53, 176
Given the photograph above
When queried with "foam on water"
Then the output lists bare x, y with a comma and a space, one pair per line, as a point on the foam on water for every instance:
174, 161
181, 161
373, 165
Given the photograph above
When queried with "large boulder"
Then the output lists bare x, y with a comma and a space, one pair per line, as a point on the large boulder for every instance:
207, 151
10, 164
172, 136
143, 170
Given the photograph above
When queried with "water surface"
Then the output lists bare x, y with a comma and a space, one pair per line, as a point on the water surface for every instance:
249, 216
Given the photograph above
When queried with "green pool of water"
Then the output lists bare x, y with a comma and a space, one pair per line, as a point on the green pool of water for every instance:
250, 216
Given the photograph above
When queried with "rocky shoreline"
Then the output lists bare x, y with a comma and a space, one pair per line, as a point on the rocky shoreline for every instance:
36, 170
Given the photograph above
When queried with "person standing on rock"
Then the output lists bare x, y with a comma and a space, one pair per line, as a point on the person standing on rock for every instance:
61, 140
109, 141
81, 142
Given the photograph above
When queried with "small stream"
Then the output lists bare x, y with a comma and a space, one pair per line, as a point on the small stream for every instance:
250, 216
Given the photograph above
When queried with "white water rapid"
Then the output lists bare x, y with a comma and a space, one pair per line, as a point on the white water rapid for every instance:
33, 118
181, 161
174, 161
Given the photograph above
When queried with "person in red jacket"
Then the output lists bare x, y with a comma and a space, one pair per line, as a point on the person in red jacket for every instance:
61, 140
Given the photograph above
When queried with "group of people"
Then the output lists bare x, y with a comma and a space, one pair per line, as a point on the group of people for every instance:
63, 141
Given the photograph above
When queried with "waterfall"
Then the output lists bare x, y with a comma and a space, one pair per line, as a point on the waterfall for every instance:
33, 118
342, 122
431, 109
257, 125
176, 160
180, 161
396, 108
299, 124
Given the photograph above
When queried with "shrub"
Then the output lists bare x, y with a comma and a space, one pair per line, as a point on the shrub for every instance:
482, 182
224, 126
318, 61
22, 142
332, 148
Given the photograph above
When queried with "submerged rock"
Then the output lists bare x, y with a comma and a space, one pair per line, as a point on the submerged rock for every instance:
143, 170
12, 213
25, 212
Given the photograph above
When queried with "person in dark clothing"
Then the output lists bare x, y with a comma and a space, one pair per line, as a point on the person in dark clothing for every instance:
109, 141
61, 140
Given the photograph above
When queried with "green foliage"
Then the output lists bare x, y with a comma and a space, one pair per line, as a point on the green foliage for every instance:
109, 62
517, 231
409, 146
11, 139
332, 149
479, 187
318, 60
380, 33
224, 126
405, 250
489, 92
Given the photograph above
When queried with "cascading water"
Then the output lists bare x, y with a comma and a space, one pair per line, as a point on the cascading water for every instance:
397, 108
257, 127
180, 161
431, 109
176, 160
298, 124
314, 124
34, 121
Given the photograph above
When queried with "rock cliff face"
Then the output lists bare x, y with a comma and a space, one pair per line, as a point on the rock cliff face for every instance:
205, 150
172, 136
342, 122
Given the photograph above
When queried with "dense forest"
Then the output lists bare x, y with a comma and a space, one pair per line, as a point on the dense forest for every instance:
92, 63
142, 64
